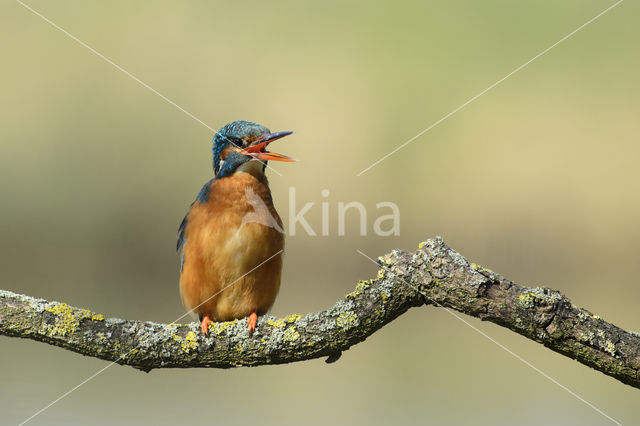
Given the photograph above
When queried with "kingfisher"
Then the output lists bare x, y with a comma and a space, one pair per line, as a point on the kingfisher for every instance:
231, 241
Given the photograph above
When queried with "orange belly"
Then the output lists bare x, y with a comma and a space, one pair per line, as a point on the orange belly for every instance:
223, 274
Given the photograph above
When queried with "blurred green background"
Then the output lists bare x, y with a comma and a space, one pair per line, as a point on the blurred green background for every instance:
538, 179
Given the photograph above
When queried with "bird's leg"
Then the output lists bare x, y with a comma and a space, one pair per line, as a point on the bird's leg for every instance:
204, 326
253, 319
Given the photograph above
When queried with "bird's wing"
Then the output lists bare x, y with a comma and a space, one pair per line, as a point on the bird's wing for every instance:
181, 237
203, 197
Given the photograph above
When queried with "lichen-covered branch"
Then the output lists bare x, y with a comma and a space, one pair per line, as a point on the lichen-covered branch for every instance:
433, 275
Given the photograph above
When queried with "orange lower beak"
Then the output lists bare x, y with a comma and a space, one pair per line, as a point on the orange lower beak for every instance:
266, 155
258, 150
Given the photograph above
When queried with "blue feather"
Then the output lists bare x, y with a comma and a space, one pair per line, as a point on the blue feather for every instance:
181, 238
231, 163
234, 134
203, 197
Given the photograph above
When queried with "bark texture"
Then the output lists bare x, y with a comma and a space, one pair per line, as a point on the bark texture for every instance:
433, 275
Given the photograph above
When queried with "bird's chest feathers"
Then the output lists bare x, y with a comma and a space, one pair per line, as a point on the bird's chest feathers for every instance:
240, 195
239, 214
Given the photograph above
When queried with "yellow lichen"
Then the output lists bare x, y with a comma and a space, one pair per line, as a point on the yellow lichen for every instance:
380, 313
65, 322
279, 323
360, 287
421, 244
347, 320
291, 335
610, 348
190, 342
219, 327
380, 273
238, 348
292, 318
596, 317
527, 300
67, 319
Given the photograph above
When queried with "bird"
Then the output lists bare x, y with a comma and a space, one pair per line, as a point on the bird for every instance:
231, 241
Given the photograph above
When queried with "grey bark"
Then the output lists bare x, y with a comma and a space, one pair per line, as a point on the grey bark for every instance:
433, 275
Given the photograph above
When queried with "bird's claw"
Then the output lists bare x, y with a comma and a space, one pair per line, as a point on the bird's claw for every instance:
205, 324
253, 319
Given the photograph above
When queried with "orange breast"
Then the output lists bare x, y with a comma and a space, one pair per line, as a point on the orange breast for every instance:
226, 238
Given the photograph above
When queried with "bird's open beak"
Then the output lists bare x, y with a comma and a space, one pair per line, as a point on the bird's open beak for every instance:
258, 149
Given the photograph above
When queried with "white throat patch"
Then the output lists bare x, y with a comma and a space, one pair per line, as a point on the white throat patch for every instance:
254, 167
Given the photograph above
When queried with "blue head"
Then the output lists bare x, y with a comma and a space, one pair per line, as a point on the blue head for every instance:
247, 139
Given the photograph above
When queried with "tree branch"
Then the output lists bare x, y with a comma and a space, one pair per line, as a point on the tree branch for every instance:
434, 275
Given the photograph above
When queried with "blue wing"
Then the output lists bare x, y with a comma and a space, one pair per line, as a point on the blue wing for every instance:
182, 238
203, 197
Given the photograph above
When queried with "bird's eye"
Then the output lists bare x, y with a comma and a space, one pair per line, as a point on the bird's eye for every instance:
235, 142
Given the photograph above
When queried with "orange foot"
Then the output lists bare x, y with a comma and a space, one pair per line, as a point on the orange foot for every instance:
253, 319
205, 324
